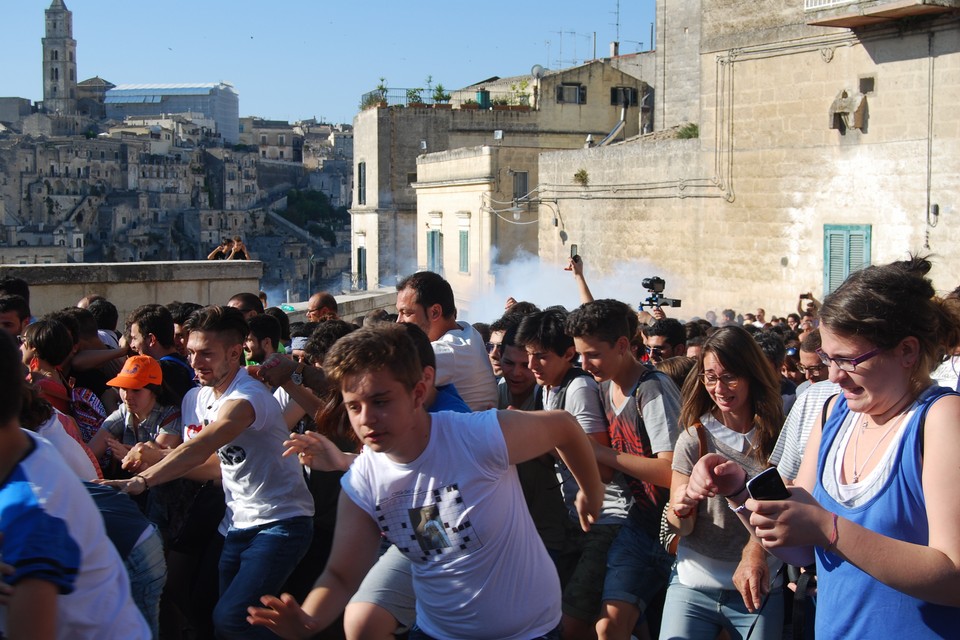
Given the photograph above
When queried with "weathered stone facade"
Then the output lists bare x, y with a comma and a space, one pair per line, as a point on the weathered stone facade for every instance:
744, 214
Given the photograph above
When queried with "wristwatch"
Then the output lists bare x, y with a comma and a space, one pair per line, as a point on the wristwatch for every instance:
297, 376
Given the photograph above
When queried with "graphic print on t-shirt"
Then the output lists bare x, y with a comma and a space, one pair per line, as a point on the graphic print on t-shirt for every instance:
434, 529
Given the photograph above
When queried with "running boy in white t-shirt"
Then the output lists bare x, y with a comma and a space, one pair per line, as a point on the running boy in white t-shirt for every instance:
443, 488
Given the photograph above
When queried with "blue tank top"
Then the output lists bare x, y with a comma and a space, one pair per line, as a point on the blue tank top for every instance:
851, 603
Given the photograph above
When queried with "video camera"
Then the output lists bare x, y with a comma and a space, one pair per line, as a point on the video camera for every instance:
655, 286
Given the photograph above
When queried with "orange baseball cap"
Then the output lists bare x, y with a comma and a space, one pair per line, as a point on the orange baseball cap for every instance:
138, 372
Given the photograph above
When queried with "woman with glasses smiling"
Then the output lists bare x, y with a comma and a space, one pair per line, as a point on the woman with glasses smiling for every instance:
875, 500
721, 578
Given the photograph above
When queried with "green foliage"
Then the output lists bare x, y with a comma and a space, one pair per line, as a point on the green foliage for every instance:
581, 177
689, 130
382, 88
415, 95
440, 94
311, 210
520, 95
500, 100
371, 100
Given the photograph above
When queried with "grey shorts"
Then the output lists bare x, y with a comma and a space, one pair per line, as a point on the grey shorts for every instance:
389, 585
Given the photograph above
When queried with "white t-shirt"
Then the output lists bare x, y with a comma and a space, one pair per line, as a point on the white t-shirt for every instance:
457, 512
788, 452
53, 531
74, 455
259, 484
462, 361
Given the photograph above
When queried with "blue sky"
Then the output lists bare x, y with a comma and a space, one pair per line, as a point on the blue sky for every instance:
293, 59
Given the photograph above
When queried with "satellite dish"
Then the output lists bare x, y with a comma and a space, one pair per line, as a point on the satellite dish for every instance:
537, 71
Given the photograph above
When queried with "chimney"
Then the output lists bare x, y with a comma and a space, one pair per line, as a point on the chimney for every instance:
614, 49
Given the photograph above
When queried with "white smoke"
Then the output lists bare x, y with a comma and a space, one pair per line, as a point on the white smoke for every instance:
529, 279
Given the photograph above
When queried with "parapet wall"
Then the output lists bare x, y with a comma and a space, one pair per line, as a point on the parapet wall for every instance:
129, 285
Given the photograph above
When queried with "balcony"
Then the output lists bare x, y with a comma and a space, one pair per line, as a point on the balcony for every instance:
851, 14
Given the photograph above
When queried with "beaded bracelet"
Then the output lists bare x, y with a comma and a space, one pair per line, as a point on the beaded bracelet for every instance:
145, 485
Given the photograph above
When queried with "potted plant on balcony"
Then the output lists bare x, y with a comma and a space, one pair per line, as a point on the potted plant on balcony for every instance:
470, 104
382, 90
500, 104
441, 99
415, 97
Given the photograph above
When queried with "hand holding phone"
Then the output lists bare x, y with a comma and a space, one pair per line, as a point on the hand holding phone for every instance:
768, 485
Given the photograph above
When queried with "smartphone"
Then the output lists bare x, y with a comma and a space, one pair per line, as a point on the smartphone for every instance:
804, 296
768, 486
573, 251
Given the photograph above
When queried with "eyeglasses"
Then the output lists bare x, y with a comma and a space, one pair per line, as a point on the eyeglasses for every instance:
656, 352
493, 346
711, 380
814, 367
847, 364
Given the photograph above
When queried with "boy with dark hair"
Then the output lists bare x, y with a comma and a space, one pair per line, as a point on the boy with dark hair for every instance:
443, 489
643, 409
551, 355
263, 339
68, 581
663, 339
14, 314
249, 304
180, 311
234, 416
107, 317
150, 330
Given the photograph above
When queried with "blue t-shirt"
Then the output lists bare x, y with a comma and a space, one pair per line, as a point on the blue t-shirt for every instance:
53, 532
448, 399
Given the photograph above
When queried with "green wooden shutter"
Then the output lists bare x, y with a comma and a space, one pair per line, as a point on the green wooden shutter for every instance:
846, 248
464, 252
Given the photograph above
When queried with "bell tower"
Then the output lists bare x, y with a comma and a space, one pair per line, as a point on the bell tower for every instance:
59, 60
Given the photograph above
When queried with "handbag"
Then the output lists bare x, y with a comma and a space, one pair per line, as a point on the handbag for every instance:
669, 539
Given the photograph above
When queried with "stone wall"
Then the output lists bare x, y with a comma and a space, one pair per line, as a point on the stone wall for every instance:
735, 218
129, 285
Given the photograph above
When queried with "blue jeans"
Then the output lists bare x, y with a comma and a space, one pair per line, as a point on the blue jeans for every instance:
148, 574
255, 562
701, 613
417, 634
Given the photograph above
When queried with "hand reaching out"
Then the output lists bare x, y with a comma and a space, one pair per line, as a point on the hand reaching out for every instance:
317, 452
714, 475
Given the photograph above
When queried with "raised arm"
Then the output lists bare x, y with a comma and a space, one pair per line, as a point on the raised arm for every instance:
576, 266
529, 434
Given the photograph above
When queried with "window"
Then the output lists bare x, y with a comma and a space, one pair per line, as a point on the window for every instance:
411, 177
624, 95
362, 183
572, 93
464, 251
362, 268
846, 248
56, 54
281, 140
263, 138
520, 189
281, 154
435, 251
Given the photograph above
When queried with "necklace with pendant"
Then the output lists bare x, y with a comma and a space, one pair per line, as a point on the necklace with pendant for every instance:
856, 443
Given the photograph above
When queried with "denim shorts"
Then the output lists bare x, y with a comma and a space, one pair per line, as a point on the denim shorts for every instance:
637, 567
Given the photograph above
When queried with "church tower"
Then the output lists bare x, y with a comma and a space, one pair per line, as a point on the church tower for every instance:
59, 60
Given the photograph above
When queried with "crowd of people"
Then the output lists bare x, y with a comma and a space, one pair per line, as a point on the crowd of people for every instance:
223, 472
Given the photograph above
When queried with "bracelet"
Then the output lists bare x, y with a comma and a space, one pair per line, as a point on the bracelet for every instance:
738, 510
145, 485
738, 491
835, 535
682, 517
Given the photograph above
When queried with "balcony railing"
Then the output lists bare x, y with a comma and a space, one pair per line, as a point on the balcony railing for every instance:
406, 97
817, 5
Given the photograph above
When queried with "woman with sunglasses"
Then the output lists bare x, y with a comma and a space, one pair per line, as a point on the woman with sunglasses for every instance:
721, 578
875, 501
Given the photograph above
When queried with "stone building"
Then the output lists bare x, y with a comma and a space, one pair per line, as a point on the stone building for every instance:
275, 139
826, 141
555, 110
218, 101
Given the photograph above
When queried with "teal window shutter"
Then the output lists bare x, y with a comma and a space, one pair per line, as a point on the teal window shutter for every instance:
846, 248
